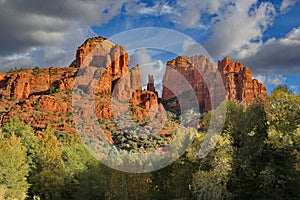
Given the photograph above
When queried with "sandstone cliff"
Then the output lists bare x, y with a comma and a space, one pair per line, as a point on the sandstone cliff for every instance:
42, 96
240, 86
202, 76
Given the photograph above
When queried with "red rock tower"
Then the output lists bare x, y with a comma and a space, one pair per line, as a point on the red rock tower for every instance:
150, 85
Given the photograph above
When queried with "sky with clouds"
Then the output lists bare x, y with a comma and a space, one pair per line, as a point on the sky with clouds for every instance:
264, 35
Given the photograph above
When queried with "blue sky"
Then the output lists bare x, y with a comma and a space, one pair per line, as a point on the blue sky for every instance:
264, 35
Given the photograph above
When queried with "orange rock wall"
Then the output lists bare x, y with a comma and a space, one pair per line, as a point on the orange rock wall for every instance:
201, 73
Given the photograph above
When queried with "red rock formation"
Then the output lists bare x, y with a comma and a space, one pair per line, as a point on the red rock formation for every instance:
240, 86
185, 74
201, 76
126, 85
150, 85
147, 100
129, 89
101, 64
103, 69
42, 96
20, 84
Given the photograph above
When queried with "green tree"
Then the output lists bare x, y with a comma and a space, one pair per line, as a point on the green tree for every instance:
214, 171
175, 180
245, 133
249, 159
51, 150
283, 110
28, 139
49, 182
281, 177
14, 169
123, 185
93, 182
76, 160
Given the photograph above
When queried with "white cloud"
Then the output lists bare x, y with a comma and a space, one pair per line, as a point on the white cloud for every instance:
261, 78
50, 31
286, 5
275, 80
185, 14
156, 10
59, 53
190, 15
275, 55
238, 26
159, 8
191, 48
271, 80
19, 61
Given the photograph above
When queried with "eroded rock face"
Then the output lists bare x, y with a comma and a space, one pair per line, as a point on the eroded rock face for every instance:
101, 63
127, 84
200, 75
128, 92
20, 84
42, 96
185, 76
240, 86
150, 85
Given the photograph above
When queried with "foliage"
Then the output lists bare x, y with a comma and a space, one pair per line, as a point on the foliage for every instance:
14, 169
28, 139
282, 146
257, 156
37, 71
210, 180
283, 110
50, 150
135, 135
93, 182
76, 160
123, 185
48, 183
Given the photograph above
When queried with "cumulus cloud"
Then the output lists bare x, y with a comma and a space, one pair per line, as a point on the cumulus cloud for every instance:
271, 80
50, 28
157, 9
148, 66
190, 15
191, 48
275, 55
233, 24
18, 61
233, 27
47, 33
286, 5
185, 14
239, 25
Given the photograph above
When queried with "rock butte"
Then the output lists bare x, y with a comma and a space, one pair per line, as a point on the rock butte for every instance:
42, 96
202, 77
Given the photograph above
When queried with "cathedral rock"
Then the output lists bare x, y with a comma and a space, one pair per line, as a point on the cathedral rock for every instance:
41, 96
44, 95
235, 82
